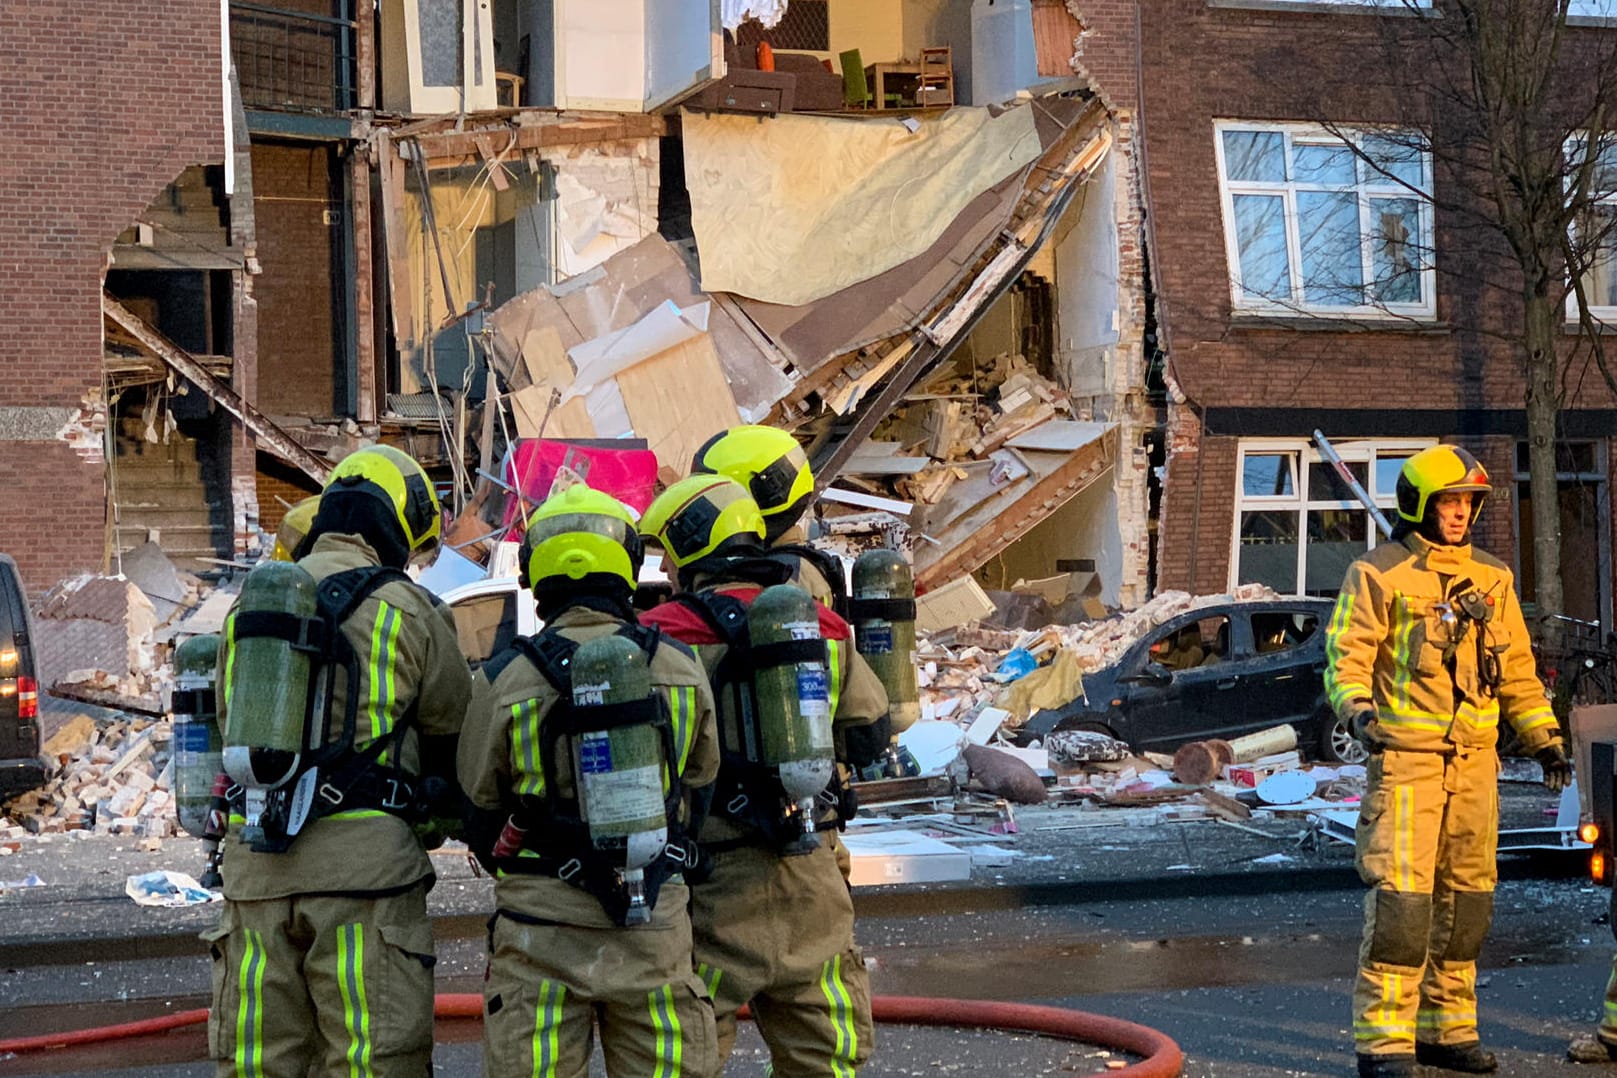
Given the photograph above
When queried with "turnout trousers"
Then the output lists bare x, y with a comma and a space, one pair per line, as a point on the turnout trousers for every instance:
549, 984
1427, 836
777, 932
341, 984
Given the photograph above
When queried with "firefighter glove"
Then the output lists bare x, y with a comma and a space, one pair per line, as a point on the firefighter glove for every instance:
1557, 770
1366, 728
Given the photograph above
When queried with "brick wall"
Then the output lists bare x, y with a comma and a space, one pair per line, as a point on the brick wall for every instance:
278, 482
297, 313
1204, 63
107, 101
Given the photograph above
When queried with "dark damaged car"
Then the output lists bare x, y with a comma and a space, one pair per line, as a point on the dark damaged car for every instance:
1216, 671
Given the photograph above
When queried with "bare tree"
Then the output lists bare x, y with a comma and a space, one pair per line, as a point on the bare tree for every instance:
1511, 102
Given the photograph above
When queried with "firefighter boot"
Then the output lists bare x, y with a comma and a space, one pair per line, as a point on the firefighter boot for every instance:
1467, 1058
1399, 1066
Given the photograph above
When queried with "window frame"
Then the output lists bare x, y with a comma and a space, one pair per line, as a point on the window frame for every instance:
1300, 502
1597, 477
1604, 313
1288, 189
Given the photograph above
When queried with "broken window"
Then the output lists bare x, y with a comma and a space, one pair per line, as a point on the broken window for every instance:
1282, 630
1317, 223
1297, 524
1201, 643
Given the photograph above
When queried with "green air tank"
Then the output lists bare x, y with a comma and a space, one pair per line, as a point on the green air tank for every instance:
883, 615
196, 741
619, 767
267, 680
793, 700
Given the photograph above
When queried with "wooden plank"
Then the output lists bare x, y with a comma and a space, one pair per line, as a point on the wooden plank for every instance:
566, 132
399, 288
544, 357
262, 428
677, 400
866, 501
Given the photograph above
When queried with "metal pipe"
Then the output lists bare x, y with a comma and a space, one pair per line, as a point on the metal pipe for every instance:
1334, 459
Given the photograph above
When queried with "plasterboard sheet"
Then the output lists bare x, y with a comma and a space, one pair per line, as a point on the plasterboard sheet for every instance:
1059, 436
800, 207
888, 857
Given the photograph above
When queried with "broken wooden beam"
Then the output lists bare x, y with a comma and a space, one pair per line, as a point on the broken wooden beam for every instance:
260, 426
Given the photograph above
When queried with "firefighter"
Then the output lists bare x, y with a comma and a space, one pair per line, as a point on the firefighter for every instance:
323, 955
775, 471
773, 917
592, 922
1427, 651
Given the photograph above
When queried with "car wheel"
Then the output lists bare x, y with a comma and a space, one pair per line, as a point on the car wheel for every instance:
1337, 745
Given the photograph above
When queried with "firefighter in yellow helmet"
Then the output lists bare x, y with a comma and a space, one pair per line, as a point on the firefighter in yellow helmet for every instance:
323, 955
294, 528
775, 470
1428, 651
584, 749
772, 919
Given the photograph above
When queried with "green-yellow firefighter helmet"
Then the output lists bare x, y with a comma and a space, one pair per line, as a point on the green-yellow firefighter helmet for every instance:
1438, 470
769, 463
702, 515
394, 477
294, 527
580, 533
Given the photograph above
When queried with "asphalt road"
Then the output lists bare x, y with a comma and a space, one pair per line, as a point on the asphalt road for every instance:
1252, 986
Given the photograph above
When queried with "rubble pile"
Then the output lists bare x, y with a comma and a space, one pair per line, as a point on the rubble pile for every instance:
114, 777
964, 669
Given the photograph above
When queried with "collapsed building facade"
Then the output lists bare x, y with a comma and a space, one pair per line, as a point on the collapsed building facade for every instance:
456, 226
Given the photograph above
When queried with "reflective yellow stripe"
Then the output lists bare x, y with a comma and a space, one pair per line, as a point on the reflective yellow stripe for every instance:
546, 1028
834, 654
1535, 719
711, 975
1403, 629
1340, 693
250, 1007
688, 731
1403, 837
230, 655
1445, 1019
384, 641
356, 1014
530, 777
846, 1049
670, 1046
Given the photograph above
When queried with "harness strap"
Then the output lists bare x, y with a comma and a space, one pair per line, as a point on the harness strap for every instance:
881, 610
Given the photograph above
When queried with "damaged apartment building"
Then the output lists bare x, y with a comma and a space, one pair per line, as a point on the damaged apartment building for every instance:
908, 230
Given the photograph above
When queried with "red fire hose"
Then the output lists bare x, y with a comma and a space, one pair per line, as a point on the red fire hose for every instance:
1161, 1057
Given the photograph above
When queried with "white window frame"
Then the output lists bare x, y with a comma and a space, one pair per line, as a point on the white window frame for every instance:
1425, 310
1597, 477
1601, 312
1299, 502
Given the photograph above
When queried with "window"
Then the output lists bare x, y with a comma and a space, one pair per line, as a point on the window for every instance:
1281, 630
1297, 524
1201, 643
1594, 235
1314, 224
1585, 514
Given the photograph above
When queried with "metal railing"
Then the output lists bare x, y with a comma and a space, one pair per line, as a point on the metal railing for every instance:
292, 59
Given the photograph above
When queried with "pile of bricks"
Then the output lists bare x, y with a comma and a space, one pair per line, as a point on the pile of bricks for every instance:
113, 778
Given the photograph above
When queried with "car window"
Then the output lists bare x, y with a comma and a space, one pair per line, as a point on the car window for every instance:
1201, 643
1281, 630
486, 625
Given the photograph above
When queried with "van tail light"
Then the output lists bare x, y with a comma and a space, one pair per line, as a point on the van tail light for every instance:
1597, 867
27, 698
1590, 833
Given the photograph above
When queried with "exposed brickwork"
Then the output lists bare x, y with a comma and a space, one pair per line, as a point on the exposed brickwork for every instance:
292, 190
1203, 63
277, 481
107, 102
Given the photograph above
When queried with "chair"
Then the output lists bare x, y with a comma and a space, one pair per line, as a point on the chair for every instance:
855, 90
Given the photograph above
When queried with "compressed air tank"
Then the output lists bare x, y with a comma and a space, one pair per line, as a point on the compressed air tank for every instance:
196, 739
793, 698
883, 614
267, 679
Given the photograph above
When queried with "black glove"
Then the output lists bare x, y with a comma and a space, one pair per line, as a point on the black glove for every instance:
1366, 728
1557, 769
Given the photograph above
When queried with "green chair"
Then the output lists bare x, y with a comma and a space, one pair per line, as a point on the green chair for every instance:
855, 90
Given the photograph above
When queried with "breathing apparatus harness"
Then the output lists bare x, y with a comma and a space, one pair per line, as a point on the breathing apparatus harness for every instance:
552, 827
1464, 608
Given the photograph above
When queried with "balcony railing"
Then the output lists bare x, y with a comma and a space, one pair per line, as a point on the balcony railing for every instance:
291, 59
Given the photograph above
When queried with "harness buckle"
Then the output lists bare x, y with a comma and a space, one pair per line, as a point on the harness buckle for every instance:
331, 793
737, 804
398, 796
570, 869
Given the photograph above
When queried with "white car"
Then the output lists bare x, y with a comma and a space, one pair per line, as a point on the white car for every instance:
490, 613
